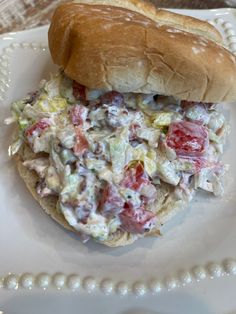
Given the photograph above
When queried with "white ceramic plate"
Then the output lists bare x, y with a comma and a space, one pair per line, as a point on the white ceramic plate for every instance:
198, 244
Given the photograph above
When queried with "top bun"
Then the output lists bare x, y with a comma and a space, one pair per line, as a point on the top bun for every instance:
130, 46
185, 23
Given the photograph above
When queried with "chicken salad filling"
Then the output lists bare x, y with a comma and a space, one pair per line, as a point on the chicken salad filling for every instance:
107, 154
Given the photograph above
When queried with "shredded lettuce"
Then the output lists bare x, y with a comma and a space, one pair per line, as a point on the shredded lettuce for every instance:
150, 166
97, 117
163, 119
67, 156
96, 227
213, 137
149, 134
167, 172
118, 147
54, 104
66, 136
167, 152
17, 107
70, 186
52, 180
141, 153
216, 122
52, 87
33, 113
42, 143
15, 147
95, 164
146, 103
136, 153
198, 113
184, 165
201, 180
66, 90
23, 123
56, 160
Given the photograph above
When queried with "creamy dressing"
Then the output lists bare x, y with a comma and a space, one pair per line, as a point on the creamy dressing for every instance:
109, 154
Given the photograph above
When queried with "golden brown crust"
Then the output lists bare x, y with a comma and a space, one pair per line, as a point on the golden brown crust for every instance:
111, 48
179, 21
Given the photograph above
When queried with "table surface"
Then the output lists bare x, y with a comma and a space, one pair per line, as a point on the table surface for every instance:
17, 15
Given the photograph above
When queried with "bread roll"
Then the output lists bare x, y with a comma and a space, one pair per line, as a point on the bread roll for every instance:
113, 48
163, 17
129, 46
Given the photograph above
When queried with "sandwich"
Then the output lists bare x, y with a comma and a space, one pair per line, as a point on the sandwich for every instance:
126, 133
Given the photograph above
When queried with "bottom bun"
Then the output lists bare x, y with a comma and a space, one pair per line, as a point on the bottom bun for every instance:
166, 209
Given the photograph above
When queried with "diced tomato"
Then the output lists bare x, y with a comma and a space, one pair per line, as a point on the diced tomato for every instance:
78, 114
200, 163
37, 128
197, 163
79, 91
111, 202
112, 98
135, 177
187, 138
137, 220
81, 144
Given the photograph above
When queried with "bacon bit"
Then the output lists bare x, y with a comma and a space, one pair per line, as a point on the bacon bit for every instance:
78, 114
42, 189
79, 91
81, 144
83, 214
135, 177
32, 97
37, 128
186, 104
187, 139
112, 98
133, 131
111, 202
136, 220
